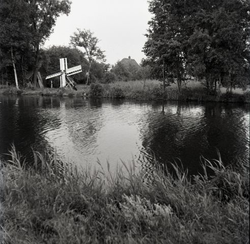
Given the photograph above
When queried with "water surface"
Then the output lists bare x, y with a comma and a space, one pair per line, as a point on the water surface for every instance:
83, 131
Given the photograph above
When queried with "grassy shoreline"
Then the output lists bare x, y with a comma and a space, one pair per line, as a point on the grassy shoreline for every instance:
139, 90
51, 204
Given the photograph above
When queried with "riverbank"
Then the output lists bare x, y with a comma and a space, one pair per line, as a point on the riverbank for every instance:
140, 90
48, 203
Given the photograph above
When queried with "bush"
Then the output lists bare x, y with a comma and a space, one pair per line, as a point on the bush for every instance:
158, 93
12, 91
96, 90
109, 77
117, 92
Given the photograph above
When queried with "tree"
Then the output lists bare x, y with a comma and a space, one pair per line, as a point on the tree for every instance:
121, 72
99, 70
43, 15
145, 71
24, 25
165, 39
218, 48
207, 39
14, 33
126, 69
85, 39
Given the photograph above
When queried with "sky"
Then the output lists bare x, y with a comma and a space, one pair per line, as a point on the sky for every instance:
119, 25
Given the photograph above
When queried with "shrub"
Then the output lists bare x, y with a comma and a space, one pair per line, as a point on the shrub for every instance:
12, 91
96, 90
117, 92
158, 93
109, 77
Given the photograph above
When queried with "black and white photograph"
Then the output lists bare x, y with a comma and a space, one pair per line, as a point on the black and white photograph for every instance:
124, 121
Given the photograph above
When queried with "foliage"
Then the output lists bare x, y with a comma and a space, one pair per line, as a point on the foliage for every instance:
218, 48
145, 72
14, 35
85, 39
98, 71
117, 92
126, 69
43, 15
205, 39
109, 77
51, 63
164, 46
24, 26
96, 90
55, 203
120, 72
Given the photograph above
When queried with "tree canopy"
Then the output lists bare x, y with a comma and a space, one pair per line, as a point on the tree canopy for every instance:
85, 39
24, 26
207, 39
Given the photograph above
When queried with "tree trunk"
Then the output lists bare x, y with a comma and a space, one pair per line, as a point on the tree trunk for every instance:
14, 68
164, 85
24, 71
215, 86
36, 67
208, 83
179, 76
179, 81
88, 76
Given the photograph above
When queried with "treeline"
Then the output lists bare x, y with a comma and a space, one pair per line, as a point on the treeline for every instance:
24, 27
125, 70
208, 39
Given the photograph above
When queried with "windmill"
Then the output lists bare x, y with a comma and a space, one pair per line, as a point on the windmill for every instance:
65, 73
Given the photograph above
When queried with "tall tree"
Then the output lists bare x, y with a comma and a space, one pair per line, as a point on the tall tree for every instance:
24, 26
218, 49
165, 39
43, 15
14, 33
207, 39
85, 39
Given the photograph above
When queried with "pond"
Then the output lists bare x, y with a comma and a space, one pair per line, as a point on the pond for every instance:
89, 132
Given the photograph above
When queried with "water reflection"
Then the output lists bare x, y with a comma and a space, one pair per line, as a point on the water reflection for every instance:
81, 131
181, 133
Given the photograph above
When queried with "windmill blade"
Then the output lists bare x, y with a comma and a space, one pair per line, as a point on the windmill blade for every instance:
74, 73
72, 70
53, 76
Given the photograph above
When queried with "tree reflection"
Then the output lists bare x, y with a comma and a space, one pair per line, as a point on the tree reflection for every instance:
23, 125
185, 132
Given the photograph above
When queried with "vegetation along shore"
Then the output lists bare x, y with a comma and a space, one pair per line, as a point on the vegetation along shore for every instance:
139, 90
54, 204
182, 47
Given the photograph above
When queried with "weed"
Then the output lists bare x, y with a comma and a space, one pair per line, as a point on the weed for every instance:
56, 203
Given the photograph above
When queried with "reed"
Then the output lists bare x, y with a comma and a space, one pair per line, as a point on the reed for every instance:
51, 202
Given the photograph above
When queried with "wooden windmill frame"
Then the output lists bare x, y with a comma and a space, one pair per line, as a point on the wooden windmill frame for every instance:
65, 73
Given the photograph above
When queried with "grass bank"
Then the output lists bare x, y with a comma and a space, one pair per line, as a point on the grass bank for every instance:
140, 90
153, 90
49, 203
61, 92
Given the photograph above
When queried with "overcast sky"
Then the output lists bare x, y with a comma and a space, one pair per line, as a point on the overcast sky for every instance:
119, 25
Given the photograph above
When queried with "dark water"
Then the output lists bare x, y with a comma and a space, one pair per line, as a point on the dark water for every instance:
82, 131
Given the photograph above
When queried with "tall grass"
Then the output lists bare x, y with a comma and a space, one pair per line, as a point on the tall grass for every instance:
50, 204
